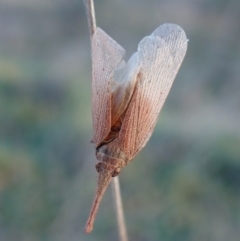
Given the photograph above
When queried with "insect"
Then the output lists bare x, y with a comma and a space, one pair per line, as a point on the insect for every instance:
127, 97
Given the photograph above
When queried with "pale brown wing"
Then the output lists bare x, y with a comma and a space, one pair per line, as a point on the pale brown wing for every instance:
107, 55
161, 55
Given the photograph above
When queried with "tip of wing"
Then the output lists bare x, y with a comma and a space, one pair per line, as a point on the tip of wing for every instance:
104, 38
167, 35
169, 32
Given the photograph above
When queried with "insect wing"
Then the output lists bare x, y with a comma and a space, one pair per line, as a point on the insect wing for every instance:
124, 82
107, 55
161, 55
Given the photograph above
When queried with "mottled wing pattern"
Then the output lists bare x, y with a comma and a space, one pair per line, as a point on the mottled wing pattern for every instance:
107, 55
161, 55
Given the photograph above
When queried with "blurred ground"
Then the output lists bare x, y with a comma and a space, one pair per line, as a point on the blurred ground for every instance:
184, 185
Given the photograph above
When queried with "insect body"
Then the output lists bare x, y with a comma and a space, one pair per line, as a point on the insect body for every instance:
127, 97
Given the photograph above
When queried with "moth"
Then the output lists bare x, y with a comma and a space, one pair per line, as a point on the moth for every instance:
127, 97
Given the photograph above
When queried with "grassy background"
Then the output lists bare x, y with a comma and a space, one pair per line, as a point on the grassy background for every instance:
184, 185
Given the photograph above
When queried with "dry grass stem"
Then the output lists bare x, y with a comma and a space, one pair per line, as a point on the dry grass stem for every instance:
115, 183
90, 16
119, 209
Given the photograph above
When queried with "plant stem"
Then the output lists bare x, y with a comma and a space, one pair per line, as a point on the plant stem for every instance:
119, 209
89, 4
115, 183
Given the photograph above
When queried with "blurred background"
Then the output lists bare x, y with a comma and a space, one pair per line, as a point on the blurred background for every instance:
184, 185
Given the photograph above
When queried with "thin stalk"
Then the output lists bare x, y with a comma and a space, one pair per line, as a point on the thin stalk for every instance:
89, 4
115, 183
119, 209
